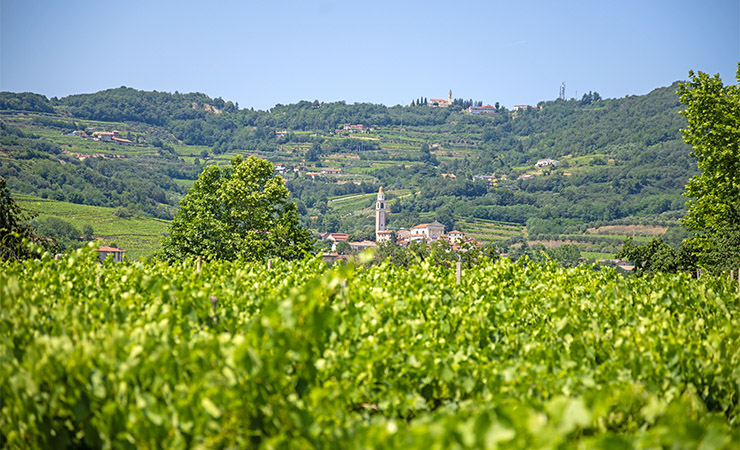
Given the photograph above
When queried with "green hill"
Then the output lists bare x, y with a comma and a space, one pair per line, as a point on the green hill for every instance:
617, 159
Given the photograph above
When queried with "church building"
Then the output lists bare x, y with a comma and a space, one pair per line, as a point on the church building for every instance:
381, 234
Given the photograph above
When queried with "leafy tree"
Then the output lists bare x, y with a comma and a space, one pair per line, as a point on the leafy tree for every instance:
393, 252
657, 256
567, 255
64, 233
713, 130
344, 248
87, 232
235, 212
15, 228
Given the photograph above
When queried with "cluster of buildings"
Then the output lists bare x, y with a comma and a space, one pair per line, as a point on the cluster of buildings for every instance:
358, 128
547, 162
440, 102
104, 136
422, 233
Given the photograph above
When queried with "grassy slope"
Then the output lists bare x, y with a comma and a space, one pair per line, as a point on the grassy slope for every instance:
138, 236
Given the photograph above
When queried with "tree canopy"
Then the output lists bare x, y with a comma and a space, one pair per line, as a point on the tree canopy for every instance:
237, 212
713, 130
15, 228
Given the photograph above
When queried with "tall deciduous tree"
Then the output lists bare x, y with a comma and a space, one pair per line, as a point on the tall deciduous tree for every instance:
713, 116
16, 230
235, 212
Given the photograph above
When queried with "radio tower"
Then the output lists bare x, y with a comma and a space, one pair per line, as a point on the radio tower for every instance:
562, 91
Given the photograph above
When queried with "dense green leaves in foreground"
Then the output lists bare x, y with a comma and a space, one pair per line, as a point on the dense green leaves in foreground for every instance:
350, 357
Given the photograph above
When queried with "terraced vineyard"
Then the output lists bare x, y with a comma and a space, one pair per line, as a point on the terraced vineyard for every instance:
488, 230
139, 236
300, 356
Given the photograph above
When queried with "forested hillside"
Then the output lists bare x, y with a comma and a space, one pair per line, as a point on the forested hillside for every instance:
617, 159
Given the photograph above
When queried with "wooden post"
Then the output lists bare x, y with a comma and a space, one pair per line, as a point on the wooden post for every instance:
698, 273
269, 264
214, 303
198, 263
459, 272
97, 277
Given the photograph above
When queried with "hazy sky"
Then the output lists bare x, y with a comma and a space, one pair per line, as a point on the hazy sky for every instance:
276, 51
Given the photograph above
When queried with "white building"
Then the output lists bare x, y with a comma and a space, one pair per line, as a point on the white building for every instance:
429, 231
381, 234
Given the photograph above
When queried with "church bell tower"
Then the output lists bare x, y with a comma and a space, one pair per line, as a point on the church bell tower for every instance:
380, 216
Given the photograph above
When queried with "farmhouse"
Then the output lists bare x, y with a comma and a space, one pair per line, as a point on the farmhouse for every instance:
362, 245
111, 136
359, 128
482, 110
115, 253
430, 231
547, 162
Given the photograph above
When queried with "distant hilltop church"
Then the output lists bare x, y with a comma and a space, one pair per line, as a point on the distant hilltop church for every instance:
425, 232
440, 102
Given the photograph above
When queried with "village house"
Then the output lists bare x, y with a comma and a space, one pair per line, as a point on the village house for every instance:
359, 128
491, 180
485, 110
547, 162
330, 258
115, 253
111, 136
335, 237
429, 231
362, 245
455, 236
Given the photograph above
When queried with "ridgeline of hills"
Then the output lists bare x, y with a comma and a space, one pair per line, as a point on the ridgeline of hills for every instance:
619, 161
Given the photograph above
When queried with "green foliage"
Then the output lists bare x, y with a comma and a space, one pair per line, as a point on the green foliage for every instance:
64, 233
620, 157
343, 248
713, 130
16, 232
239, 356
567, 255
25, 101
657, 256
241, 211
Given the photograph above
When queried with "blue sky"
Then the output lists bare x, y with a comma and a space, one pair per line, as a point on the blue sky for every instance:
276, 51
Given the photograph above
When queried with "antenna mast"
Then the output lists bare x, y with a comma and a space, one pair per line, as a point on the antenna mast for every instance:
562, 91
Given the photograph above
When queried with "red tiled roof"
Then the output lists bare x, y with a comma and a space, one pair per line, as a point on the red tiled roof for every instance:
104, 248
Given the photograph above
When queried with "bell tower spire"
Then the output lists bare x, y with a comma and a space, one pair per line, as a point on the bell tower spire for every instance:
380, 216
